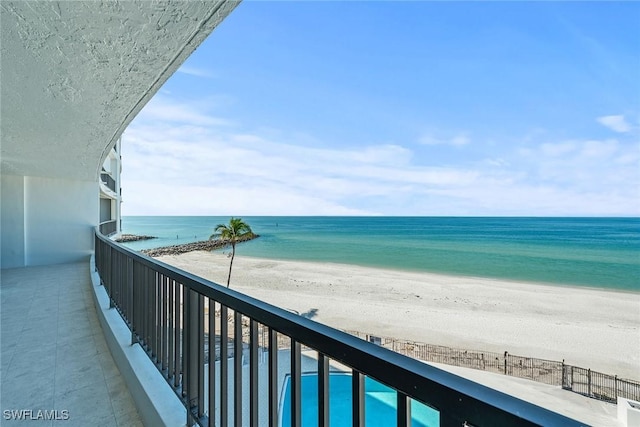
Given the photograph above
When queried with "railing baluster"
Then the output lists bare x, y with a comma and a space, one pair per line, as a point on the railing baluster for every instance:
357, 398
170, 329
403, 406
184, 336
116, 280
144, 309
200, 328
237, 371
212, 363
323, 390
192, 352
134, 300
154, 315
224, 365
128, 289
123, 285
164, 353
142, 295
148, 310
253, 373
119, 281
273, 378
177, 346
296, 379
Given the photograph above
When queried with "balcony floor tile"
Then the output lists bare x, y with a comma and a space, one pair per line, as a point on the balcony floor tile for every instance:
54, 355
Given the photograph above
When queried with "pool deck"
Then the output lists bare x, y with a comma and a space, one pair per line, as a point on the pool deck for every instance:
573, 405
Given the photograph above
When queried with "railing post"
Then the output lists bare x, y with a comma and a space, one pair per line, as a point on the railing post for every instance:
357, 398
237, 368
224, 365
200, 353
192, 339
323, 390
403, 407
273, 378
296, 379
212, 363
134, 303
253, 373
615, 387
589, 381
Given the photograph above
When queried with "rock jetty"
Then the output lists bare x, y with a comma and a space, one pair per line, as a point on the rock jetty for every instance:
205, 245
132, 238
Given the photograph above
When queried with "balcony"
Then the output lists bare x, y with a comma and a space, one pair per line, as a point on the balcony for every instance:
169, 314
108, 181
108, 227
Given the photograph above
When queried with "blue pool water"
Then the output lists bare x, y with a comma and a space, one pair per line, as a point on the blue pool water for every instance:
380, 403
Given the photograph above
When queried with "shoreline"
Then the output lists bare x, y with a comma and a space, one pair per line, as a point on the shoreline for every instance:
516, 282
593, 328
211, 246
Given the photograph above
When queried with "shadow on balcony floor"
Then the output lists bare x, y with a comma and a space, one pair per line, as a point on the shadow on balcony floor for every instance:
53, 353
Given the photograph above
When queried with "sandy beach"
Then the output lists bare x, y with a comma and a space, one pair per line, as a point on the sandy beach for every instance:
591, 328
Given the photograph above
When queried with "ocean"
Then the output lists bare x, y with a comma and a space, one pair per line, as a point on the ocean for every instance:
593, 252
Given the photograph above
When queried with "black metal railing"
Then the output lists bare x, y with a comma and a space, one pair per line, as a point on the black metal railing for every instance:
553, 372
108, 227
108, 181
598, 385
219, 350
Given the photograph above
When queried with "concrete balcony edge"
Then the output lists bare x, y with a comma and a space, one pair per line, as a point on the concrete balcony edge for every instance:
156, 402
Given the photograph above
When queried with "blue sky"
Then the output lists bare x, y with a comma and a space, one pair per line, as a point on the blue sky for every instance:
398, 108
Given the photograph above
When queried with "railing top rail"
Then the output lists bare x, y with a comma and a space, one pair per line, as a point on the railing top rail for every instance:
414, 378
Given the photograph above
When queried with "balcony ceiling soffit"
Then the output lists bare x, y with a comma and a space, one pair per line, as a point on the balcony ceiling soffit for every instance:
74, 74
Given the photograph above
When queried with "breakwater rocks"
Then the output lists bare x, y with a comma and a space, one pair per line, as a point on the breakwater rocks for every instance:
206, 245
132, 238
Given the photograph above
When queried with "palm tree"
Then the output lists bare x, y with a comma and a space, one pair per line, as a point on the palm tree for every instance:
234, 232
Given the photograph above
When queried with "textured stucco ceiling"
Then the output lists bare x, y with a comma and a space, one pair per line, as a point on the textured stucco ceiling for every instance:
75, 73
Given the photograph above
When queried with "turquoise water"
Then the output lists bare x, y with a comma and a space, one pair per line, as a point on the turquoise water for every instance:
379, 400
596, 252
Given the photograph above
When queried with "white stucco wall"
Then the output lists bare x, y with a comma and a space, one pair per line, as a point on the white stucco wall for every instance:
54, 224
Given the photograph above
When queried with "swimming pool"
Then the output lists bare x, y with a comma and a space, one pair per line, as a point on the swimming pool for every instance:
379, 401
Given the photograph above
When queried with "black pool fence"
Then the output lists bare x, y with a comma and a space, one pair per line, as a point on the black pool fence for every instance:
579, 380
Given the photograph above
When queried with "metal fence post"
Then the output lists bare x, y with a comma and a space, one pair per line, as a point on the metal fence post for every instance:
571, 378
589, 381
505, 362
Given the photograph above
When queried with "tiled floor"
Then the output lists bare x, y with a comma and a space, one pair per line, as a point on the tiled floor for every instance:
53, 353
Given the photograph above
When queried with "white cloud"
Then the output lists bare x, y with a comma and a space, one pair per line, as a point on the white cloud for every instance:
456, 141
197, 164
194, 71
558, 149
161, 109
271, 177
497, 162
615, 123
